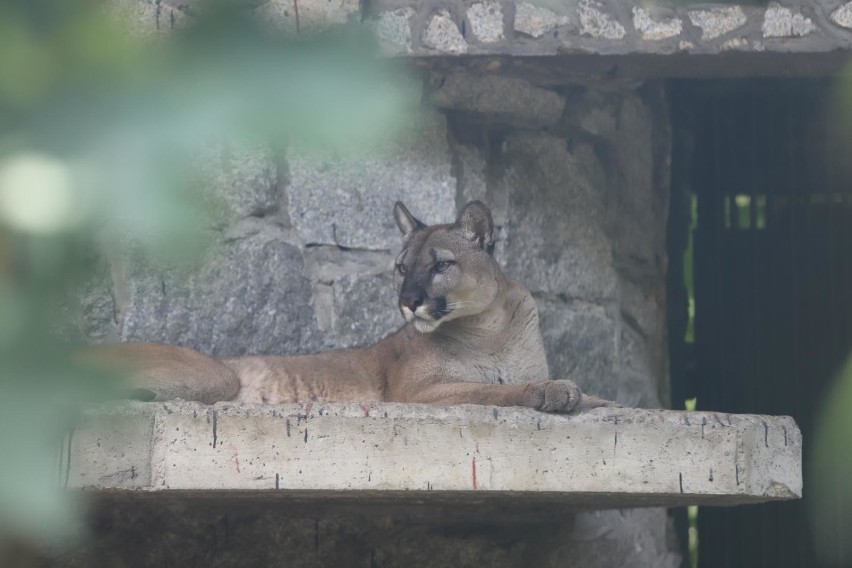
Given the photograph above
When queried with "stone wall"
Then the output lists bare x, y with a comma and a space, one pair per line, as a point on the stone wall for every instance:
155, 533
597, 39
550, 27
301, 260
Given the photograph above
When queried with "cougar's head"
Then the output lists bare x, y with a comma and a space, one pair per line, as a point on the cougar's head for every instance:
445, 272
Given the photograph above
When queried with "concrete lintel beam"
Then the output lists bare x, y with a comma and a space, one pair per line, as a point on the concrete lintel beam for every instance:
411, 454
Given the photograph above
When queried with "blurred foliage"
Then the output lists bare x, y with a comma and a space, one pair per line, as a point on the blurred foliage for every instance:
97, 127
830, 472
689, 272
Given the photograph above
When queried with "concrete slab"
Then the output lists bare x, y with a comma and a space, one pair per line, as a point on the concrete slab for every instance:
399, 456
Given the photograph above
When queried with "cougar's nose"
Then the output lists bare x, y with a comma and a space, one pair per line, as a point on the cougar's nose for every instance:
411, 301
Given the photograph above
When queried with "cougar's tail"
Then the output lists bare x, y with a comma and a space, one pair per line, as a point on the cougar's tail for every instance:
164, 372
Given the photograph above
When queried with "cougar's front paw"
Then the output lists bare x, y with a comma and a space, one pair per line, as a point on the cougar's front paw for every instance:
552, 396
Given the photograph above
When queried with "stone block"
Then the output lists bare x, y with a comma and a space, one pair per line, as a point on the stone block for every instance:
580, 341
348, 201
412, 454
718, 21
535, 21
365, 309
442, 34
637, 204
240, 181
555, 238
658, 29
354, 299
473, 184
597, 22
327, 264
632, 351
486, 21
507, 99
248, 296
114, 448
641, 304
614, 539
596, 113
88, 309
393, 30
405, 485
843, 15
779, 21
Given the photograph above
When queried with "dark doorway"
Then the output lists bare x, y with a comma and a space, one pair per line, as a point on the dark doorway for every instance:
766, 169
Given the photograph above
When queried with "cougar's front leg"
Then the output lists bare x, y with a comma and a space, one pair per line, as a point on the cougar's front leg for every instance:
547, 396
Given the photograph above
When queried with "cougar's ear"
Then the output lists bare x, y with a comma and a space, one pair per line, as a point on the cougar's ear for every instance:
406, 222
475, 223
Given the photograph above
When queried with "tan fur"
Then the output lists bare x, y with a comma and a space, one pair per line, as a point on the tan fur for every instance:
472, 337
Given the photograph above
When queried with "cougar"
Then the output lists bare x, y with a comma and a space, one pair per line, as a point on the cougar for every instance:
471, 337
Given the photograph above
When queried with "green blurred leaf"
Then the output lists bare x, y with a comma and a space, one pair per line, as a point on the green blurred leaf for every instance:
127, 119
831, 473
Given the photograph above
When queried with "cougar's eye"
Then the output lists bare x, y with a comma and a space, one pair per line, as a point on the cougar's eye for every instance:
401, 268
442, 266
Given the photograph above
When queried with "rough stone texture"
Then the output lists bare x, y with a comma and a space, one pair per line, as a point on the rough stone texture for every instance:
535, 21
240, 180
308, 15
625, 543
401, 485
576, 30
581, 340
611, 457
652, 29
471, 165
718, 21
486, 21
443, 34
228, 532
152, 17
354, 299
393, 30
595, 21
88, 311
248, 296
843, 15
146, 18
263, 287
636, 197
782, 22
557, 237
577, 217
357, 300
505, 98
347, 201
303, 257
231, 533
640, 185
